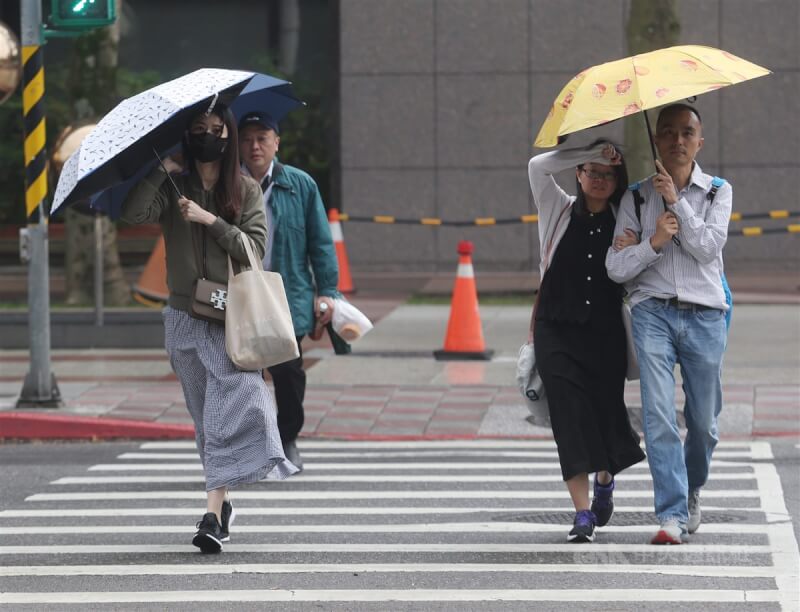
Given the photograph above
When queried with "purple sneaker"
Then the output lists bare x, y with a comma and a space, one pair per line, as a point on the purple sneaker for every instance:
603, 501
583, 527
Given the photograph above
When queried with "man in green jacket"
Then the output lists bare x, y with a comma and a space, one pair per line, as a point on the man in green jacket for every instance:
300, 248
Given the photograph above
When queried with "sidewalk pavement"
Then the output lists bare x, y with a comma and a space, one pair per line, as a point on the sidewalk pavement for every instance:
390, 387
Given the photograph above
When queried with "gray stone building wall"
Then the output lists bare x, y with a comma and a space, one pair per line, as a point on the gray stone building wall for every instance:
441, 101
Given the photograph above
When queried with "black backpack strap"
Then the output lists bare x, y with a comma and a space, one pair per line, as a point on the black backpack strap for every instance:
638, 200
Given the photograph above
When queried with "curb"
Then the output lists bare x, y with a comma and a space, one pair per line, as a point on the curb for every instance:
28, 426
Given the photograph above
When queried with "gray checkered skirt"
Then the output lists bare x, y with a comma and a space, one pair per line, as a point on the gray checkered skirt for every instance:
233, 412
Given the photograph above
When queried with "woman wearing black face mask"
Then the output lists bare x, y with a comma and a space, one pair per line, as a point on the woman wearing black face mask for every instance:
233, 411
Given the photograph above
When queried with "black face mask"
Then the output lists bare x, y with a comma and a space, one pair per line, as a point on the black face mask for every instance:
207, 147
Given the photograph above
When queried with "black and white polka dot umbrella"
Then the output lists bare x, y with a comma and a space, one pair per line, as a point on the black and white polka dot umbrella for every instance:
124, 141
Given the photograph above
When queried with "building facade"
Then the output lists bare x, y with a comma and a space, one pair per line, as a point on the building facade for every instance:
440, 102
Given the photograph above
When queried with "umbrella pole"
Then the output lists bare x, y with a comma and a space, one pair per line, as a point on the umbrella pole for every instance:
161, 163
650, 138
675, 239
98, 269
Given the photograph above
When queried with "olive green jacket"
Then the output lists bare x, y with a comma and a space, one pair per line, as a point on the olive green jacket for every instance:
153, 200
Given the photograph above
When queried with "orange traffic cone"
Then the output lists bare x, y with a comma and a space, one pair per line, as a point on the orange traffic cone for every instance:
345, 280
464, 338
151, 288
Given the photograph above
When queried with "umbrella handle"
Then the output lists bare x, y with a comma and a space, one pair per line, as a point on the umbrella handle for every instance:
675, 239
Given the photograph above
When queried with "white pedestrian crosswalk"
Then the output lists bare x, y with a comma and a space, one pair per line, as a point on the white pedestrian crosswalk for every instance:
426, 524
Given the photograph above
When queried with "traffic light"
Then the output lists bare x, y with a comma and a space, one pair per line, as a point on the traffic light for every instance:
79, 15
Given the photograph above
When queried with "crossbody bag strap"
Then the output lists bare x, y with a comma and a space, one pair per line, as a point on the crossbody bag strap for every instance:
199, 254
548, 252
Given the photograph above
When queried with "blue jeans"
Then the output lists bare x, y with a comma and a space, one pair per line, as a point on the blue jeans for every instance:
694, 338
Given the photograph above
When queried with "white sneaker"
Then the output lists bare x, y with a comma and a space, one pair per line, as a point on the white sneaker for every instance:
669, 533
695, 515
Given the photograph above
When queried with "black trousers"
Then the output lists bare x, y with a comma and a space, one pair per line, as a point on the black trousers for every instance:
289, 379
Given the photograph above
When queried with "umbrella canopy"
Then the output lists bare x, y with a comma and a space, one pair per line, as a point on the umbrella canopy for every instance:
122, 144
609, 91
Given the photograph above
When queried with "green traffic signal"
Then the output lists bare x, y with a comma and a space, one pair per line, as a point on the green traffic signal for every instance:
82, 14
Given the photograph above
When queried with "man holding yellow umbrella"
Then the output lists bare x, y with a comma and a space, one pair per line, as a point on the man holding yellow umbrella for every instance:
678, 314
673, 273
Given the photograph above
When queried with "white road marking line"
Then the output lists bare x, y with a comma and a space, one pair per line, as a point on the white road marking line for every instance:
482, 466
394, 595
376, 547
369, 454
413, 454
324, 511
760, 450
336, 494
785, 553
307, 443
467, 528
709, 571
377, 478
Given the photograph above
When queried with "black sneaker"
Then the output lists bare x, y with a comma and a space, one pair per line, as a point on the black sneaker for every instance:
209, 534
603, 502
228, 515
583, 527
293, 455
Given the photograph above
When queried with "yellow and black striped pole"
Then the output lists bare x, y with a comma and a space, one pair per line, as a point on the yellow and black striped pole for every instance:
35, 140
39, 390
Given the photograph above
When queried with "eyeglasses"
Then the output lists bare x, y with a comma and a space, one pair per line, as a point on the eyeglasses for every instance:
604, 176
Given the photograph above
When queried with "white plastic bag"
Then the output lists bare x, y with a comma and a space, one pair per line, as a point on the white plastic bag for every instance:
348, 321
531, 387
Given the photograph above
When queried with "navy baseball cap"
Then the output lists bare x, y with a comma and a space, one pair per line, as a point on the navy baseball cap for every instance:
259, 118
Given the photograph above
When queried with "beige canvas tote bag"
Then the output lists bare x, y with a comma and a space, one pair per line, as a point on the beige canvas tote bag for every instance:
258, 325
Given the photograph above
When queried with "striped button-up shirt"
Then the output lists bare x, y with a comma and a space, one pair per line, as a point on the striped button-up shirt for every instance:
690, 272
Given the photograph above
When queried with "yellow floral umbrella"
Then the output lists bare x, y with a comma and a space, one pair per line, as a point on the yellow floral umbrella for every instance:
609, 91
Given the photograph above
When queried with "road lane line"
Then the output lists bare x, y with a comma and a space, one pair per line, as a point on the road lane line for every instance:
377, 478
324, 510
466, 528
785, 554
707, 571
369, 495
404, 465
395, 595
412, 454
376, 547
410, 444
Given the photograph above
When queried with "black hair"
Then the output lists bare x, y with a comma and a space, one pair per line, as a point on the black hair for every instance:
579, 206
228, 190
677, 107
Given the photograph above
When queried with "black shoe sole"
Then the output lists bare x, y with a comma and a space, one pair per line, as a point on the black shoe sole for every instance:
207, 543
607, 521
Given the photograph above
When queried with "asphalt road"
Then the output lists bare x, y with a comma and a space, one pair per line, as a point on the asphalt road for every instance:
476, 525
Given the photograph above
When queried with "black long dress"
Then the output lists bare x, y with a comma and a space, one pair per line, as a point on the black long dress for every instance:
580, 352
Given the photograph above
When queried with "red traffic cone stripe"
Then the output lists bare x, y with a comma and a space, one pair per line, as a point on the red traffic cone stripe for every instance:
345, 280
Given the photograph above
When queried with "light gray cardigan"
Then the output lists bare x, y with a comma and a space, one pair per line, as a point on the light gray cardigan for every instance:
553, 203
